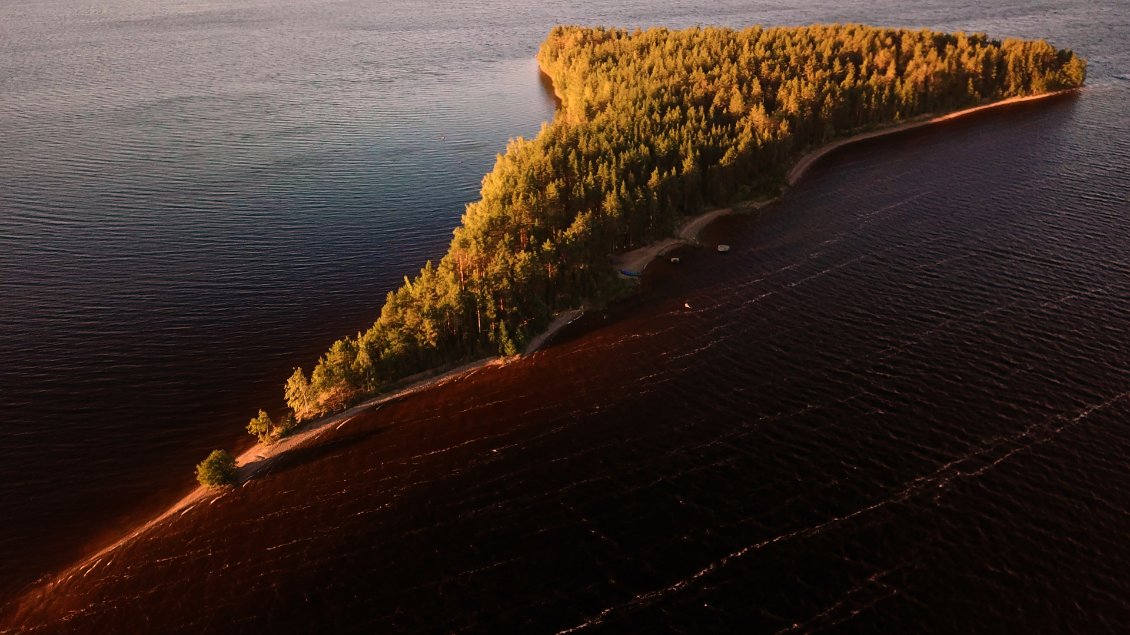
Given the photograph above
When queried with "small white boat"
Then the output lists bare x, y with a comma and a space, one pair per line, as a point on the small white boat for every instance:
723, 248
675, 260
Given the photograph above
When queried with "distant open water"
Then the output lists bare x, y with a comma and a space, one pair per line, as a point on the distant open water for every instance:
903, 393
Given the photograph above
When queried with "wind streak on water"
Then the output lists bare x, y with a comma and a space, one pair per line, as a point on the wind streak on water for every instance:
940, 479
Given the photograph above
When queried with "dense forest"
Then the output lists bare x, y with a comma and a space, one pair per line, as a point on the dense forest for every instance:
654, 125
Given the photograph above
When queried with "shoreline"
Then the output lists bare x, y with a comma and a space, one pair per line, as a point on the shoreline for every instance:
560, 321
638, 259
807, 160
258, 460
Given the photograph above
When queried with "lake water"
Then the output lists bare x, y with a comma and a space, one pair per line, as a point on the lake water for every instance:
903, 397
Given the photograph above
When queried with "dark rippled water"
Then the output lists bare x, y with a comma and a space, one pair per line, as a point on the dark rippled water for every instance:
902, 399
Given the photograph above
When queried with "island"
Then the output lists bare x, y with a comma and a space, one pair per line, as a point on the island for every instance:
654, 127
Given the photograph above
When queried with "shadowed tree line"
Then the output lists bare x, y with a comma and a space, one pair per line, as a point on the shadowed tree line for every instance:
655, 125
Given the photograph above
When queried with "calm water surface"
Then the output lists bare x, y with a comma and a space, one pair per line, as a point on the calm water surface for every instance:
906, 391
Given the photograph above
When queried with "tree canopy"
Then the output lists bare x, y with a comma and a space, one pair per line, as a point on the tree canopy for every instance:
260, 427
217, 470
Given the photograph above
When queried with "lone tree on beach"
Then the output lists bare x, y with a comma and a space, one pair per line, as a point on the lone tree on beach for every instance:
286, 425
217, 470
260, 427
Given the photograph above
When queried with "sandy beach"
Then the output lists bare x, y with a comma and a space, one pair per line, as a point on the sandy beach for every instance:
258, 460
561, 321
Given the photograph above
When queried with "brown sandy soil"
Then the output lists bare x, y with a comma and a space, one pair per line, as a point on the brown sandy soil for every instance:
637, 260
561, 321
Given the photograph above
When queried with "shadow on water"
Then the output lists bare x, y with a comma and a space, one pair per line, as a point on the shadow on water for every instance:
337, 441
547, 88
972, 122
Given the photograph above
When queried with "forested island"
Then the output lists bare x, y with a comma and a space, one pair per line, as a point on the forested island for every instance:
654, 126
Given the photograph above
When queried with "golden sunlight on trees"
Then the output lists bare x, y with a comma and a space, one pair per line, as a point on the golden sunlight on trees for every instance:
654, 125
217, 470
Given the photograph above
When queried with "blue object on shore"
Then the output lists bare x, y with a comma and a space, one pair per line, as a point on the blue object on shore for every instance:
630, 274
